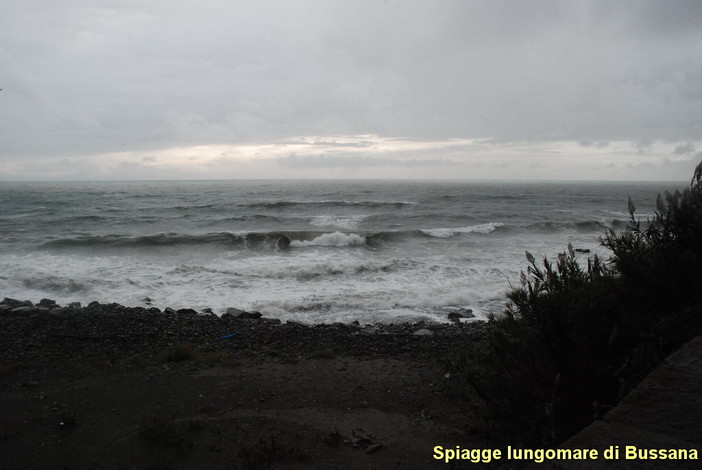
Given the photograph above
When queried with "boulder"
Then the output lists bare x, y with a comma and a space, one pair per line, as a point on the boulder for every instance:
252, 315
234, 311
186, 311
47, 303
423, 332
169, 311
461, 313
23, 310
282, 243
12, 302
369, 330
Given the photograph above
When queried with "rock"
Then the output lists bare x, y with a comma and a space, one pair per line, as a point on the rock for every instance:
186, 311
250, 315
207, 310
373, 448
369, 330
235, 311
461, 313
23, 310
47, 303
361, 440
56, 311
582, 250
282, 243
74, 305
94, 305
169, 311
423, 332
154, 310
17, 303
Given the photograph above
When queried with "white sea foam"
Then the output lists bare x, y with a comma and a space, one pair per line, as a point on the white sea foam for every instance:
400, 275
332, 239
348, 222
450, 232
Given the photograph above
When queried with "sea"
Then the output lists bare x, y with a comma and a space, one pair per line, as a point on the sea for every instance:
308, 251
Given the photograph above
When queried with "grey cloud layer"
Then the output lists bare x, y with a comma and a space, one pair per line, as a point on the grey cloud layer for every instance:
85, 77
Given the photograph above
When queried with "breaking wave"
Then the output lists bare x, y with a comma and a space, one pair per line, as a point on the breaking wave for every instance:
302, 238
332, 239
449, 232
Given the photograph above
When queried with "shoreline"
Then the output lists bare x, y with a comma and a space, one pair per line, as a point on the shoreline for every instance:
49, 328
107, 386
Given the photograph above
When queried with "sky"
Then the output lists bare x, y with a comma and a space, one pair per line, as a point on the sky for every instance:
432, 89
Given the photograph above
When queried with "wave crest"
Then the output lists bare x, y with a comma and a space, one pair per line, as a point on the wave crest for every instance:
332, 239
449, 232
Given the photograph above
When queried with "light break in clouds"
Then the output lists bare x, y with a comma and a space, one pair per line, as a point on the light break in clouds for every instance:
520, 89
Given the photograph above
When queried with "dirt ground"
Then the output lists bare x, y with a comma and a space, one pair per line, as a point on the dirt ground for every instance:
92, 390
339, 412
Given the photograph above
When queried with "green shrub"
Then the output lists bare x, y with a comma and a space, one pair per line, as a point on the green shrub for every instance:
535, 372
267, 453
178, 353
573, 340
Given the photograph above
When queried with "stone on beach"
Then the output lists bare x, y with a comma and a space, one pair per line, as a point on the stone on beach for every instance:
423, 332
461, 313
234, 311
186, 311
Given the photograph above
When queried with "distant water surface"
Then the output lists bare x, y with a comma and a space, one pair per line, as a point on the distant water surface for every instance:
367, 251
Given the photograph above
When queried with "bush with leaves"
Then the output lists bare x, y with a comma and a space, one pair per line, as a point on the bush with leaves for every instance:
660, 268
573, 340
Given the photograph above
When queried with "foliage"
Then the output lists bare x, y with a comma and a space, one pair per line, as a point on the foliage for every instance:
266, 453
178, 353
573, 340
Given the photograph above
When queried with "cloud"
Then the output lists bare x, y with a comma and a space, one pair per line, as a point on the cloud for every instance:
323, 161
684, 149
94, 78
357, 161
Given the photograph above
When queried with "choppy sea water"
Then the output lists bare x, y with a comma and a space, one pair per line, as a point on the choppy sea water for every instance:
367, 251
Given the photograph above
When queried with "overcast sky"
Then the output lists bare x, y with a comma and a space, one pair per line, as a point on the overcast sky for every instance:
162, 89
